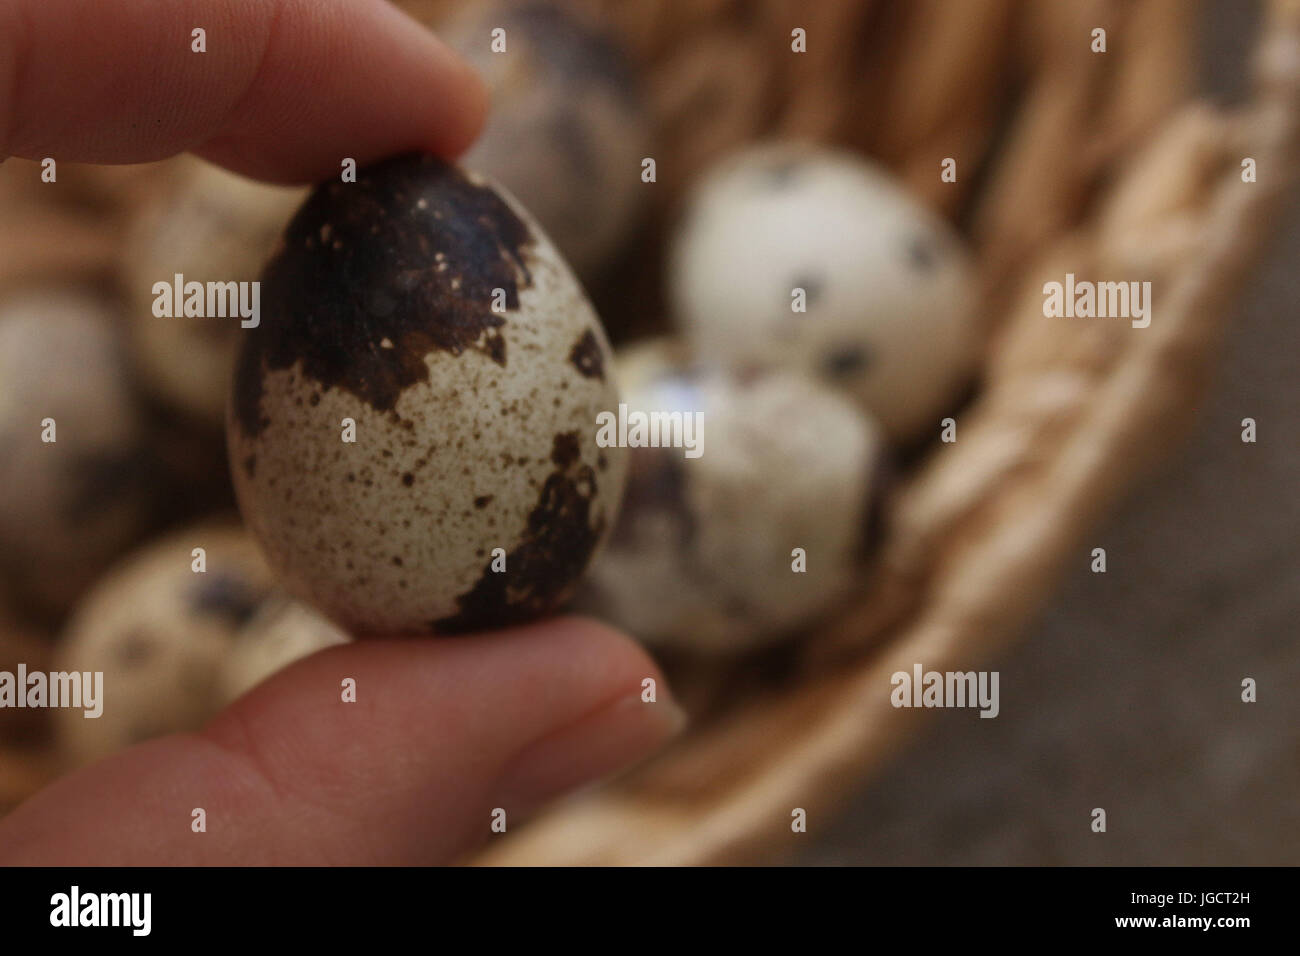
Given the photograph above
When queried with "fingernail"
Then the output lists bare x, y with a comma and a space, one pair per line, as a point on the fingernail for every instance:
613, 738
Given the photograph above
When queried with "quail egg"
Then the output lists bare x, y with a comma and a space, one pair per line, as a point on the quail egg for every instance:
281, 632
413, 425
815, 259
74, 476
767, 529
568, 128
207, 225
158, 629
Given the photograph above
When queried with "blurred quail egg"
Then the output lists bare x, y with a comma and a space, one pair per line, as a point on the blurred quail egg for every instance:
208, 225
159, 631
704, 554
72, 504
428, 310
886, 284
567, 130
282, 631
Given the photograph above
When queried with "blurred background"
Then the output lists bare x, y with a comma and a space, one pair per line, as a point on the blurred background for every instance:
1208, 592
1125, 693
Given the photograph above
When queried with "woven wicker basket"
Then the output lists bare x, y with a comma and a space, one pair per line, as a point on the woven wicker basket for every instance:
1068, 160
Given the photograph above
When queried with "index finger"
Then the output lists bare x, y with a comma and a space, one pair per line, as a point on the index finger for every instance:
284, 90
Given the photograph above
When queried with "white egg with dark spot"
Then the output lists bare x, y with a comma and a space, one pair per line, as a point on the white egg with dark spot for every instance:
413, 426
767, 530
159, 631
885, 285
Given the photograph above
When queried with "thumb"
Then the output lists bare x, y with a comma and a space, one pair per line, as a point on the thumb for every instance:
442, 734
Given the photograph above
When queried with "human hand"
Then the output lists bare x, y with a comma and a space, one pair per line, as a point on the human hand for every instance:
444, 731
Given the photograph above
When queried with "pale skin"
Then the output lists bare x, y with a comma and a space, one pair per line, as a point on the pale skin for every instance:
444, 731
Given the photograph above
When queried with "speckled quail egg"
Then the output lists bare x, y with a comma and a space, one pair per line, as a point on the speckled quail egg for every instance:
413, 425
70, 505
704, 556
208, 225
886, 286
159, 630
568, 129
282, 631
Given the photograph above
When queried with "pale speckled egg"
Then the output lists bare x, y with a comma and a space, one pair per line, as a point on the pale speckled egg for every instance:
208, 225
69, 506
703, 556
428, 308
283, 631
159, 631
887, 284
568, 127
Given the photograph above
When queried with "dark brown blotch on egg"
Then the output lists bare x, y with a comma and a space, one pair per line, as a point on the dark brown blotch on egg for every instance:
922, 254
134, 648
587, 356
557, 544
780, 174
565, 449
656, 484
415, 253
846, 361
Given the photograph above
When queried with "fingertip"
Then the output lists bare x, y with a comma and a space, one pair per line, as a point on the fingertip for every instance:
408, 768
284, 92
475, 102
461, 83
